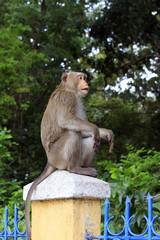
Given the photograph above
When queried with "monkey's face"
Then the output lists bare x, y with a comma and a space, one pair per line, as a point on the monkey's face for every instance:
82, 86
76, 82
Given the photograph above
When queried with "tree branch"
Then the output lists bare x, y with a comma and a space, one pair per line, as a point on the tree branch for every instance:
130, 64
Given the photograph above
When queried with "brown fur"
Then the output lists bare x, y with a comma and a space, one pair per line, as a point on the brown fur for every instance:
70, 141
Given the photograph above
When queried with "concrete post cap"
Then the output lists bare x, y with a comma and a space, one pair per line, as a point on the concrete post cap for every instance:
64, 185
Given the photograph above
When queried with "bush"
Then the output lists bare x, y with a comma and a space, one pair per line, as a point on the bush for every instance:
135, 176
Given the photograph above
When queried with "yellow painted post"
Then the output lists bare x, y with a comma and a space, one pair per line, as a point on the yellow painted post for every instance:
65, 219
65, 205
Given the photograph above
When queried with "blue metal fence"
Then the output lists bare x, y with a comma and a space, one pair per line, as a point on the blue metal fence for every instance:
126, 233
15, 234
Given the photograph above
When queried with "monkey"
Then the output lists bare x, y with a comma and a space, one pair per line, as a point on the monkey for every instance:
69, 139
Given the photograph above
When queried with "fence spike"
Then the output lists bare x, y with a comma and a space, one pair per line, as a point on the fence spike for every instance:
107, 201
127, 199
6, 223
149, 197
106, 218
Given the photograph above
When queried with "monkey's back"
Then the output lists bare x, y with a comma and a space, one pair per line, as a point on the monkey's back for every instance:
61, 104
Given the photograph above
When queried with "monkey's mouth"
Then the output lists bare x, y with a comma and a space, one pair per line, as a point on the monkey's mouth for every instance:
84, 89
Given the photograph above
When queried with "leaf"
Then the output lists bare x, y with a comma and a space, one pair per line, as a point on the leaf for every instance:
129, 170
115, 176
139, 217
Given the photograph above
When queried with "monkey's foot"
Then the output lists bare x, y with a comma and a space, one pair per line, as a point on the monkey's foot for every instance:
88, 171
93, 172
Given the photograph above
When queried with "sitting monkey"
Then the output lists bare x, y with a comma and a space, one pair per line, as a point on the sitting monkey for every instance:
70, 141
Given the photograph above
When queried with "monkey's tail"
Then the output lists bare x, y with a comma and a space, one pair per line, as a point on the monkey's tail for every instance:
47, 171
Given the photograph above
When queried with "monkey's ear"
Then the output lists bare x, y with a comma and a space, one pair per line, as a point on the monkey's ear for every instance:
64, 77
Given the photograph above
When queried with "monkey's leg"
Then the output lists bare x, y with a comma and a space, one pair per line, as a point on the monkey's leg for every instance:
76, 166
66, 154
88, 153
65, 151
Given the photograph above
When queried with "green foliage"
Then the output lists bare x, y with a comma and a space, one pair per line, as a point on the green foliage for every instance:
38, 42
127, 49
5, 141
15, 61
10, 190
135, 176
139, 170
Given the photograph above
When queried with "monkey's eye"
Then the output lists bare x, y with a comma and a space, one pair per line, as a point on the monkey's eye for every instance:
80, 77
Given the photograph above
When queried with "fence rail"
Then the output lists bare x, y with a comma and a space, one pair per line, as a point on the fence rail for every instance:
126, 233
15, 234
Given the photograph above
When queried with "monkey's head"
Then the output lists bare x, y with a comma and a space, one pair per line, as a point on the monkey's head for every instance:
75, 82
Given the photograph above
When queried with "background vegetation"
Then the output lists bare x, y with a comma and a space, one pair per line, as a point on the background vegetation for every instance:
115, 42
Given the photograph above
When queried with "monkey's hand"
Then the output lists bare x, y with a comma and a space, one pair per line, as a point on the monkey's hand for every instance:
96, 139
110, 137
107, 134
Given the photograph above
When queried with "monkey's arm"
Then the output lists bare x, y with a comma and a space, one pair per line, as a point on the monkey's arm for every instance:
66, 106
74, 123
66, 115
107, 134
